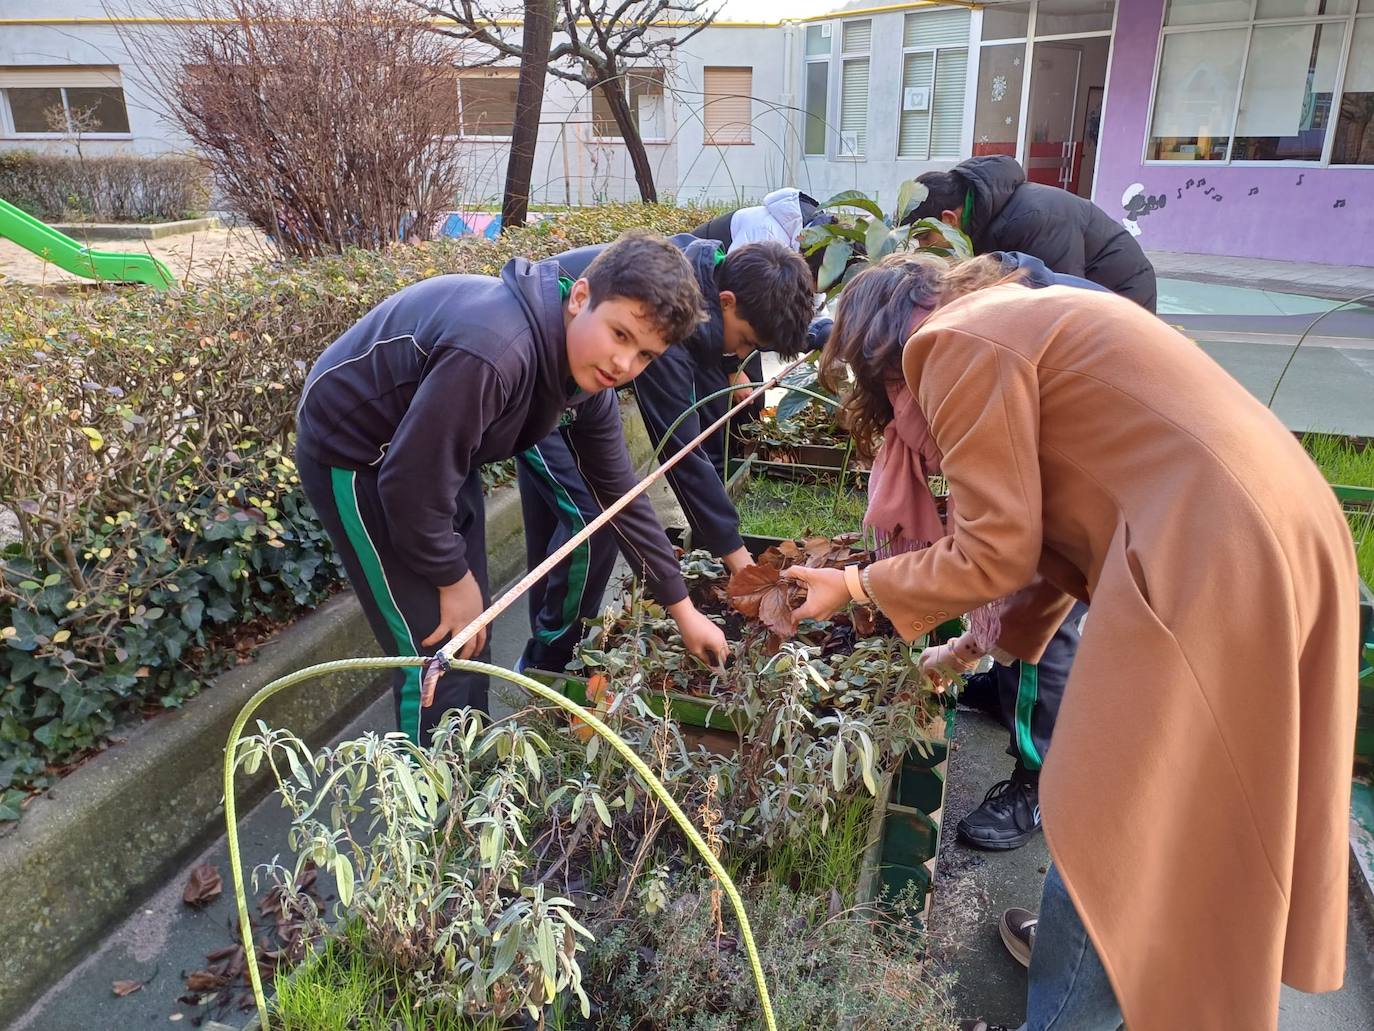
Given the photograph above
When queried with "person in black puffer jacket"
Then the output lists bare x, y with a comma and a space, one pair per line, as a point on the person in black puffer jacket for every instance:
989, 198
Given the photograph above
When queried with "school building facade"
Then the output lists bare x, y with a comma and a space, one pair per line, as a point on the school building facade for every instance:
1237, 127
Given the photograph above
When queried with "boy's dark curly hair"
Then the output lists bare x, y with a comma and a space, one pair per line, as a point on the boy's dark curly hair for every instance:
774, 292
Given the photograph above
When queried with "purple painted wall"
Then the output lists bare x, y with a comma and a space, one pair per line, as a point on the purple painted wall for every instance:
1280, 212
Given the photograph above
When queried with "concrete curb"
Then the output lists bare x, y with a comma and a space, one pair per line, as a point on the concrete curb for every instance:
124, 823
119, 827
84, 231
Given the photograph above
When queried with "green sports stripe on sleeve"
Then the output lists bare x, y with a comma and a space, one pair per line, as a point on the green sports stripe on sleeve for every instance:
344, 483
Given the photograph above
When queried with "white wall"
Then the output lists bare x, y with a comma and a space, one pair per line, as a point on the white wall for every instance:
150, 131
571, 166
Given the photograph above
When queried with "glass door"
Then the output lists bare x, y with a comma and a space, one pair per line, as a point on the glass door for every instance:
1053, 155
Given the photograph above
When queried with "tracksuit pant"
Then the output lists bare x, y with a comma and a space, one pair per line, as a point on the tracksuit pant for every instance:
401, 607
556, 503
1031, 693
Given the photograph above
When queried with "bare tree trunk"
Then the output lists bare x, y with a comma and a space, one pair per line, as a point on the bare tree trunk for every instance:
613, 89
529, 105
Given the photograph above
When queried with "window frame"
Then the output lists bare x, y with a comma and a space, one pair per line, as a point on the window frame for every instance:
807, 61
846, 58
1348, 21
8, 130
645, 71
935, 51
707, 140
486, 72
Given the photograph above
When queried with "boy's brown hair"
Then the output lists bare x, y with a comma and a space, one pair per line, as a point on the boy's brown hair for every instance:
774, 292
650, 271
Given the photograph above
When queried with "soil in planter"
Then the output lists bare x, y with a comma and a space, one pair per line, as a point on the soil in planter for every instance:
782, 508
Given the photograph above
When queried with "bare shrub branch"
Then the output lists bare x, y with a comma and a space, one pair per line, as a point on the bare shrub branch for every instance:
327, 123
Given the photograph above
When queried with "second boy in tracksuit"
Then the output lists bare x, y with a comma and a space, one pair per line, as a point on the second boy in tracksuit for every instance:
759, 296
398, 414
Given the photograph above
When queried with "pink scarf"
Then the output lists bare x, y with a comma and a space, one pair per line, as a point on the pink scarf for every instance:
902, 511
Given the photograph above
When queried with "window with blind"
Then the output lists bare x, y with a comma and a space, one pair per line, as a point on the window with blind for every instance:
816, 89
1264, 80
727, 106
487, 101
856, 37
644, 93
934, 83
46, 101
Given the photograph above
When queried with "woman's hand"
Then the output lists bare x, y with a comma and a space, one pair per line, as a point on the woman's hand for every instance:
941, 663
826, 591
702, 638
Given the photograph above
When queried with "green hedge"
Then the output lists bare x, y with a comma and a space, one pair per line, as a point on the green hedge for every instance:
161, 527
113, 188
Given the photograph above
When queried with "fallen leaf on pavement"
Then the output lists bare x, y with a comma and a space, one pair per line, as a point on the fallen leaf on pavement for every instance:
204, 885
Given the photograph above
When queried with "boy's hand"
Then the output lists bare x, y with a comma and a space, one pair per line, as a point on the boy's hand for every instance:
737, 560
703, 638
740, 378
459, 604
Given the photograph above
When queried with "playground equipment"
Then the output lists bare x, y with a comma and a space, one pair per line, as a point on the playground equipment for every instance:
74, 257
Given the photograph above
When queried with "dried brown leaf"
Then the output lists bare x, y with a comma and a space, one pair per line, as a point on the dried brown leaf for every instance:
203, 886
205, 981
864, 620
123, 988
760, 593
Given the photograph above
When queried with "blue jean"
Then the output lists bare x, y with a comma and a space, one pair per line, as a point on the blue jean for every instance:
1068, 988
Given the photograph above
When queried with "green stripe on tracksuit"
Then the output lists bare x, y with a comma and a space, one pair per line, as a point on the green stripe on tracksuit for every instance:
344, 482
401, 606
1027, 691
1031, 693
576, 585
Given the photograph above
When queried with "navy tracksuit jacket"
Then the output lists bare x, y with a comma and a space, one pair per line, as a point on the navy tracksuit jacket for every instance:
397, 416
553, 489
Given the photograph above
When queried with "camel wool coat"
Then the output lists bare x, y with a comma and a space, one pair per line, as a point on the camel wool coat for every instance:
1196, 796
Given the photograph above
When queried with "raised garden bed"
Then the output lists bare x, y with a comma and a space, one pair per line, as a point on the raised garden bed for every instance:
779, 501
815, 773
908, 824
808, 435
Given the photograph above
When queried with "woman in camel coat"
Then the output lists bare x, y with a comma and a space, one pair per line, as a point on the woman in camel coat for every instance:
1196, 800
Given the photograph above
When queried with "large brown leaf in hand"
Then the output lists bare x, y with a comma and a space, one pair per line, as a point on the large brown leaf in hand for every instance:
760, 593
823, 553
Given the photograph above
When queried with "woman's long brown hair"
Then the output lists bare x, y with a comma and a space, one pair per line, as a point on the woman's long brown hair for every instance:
876, 314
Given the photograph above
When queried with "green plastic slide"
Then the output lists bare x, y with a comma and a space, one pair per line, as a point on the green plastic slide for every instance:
70, 255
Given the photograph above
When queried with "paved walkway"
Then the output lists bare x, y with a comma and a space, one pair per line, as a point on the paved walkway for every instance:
191, 257
1340, 282
972, 889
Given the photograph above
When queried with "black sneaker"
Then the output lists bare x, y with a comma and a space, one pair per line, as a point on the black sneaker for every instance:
1017, 928
982, 1025
1008, 817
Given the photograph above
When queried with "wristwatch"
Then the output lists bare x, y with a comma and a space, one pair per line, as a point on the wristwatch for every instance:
854, 580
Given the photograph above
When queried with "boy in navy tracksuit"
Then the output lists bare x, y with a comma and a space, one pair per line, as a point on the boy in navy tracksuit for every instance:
759, 296
399, 413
